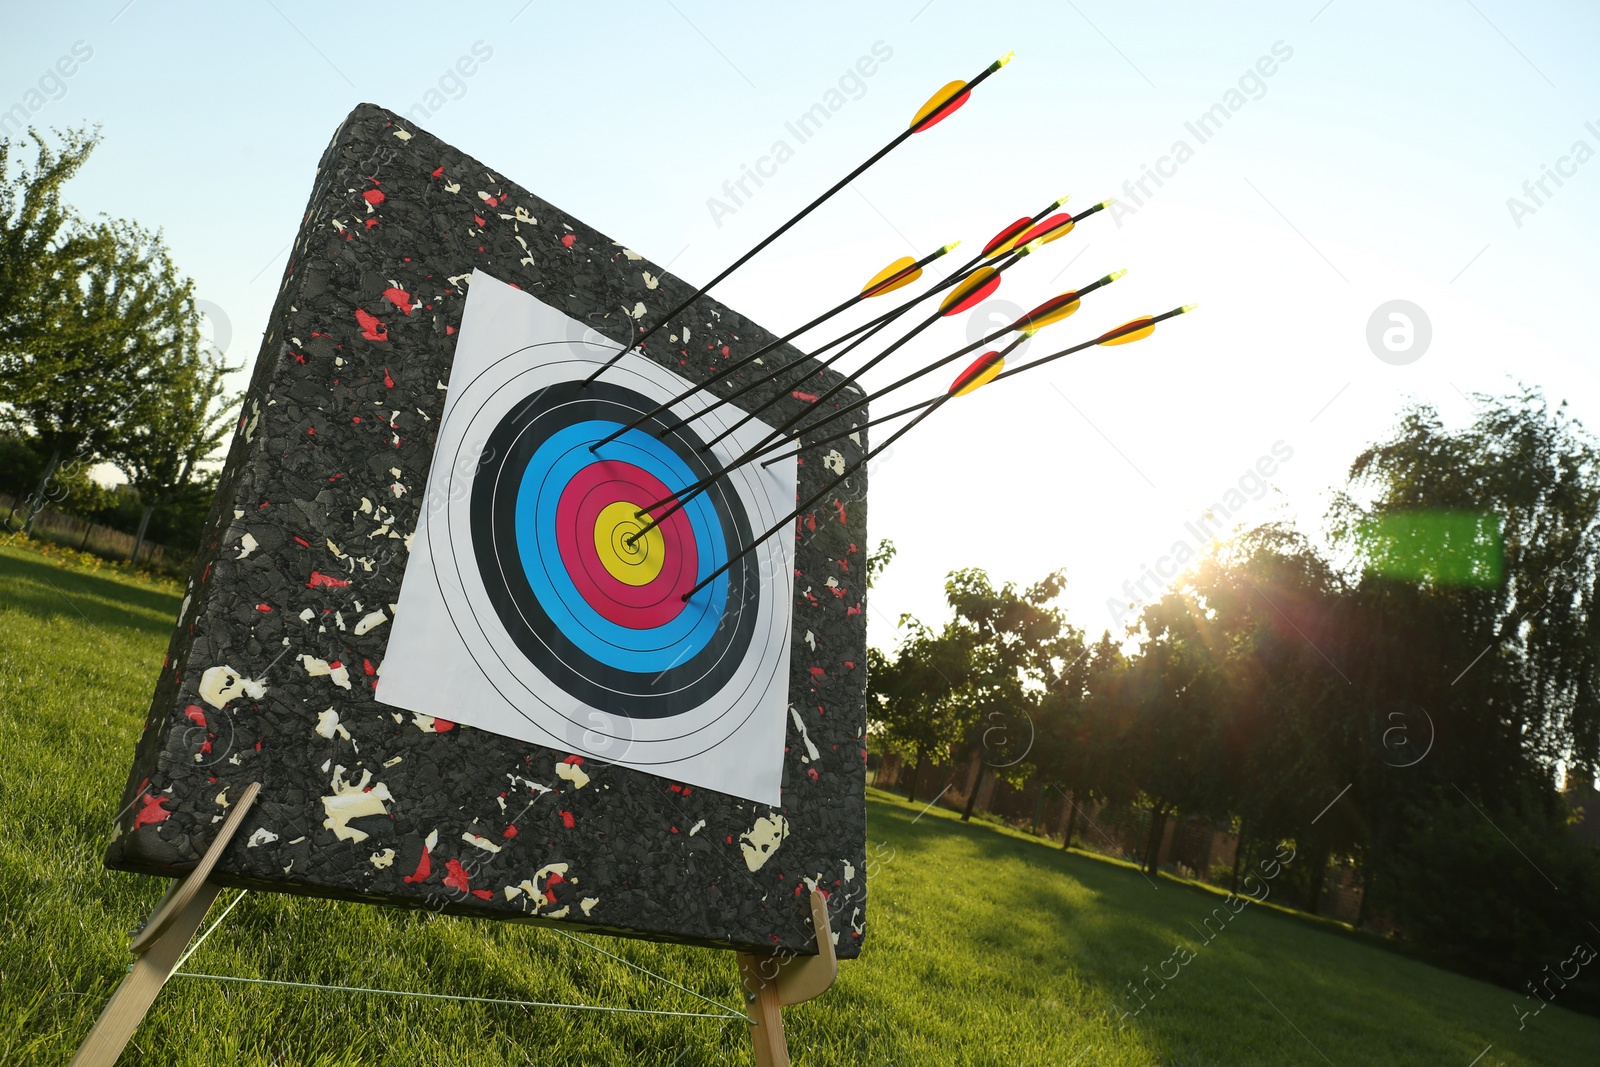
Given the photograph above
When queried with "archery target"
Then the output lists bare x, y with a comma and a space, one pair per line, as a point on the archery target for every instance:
534, 606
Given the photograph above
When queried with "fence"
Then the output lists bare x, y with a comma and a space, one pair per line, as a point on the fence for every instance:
73, 532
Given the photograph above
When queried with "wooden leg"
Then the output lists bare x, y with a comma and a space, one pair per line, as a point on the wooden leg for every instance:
158, 947
764, 1009
136, 992
772, 982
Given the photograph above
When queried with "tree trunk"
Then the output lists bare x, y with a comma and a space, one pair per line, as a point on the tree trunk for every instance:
36, 502
972, 797
1319, 872
1158, 830
911, 779
1069, 817
1366, 892
1238, 858
138, 538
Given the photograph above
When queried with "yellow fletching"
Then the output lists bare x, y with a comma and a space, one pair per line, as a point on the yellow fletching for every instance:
1136, 335
939, 99
966, 288
987, 375
1053, 316
872, 288
1058, 231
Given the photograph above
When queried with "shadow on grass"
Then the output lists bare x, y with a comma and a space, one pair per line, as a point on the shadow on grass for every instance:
1249, 967
49, 591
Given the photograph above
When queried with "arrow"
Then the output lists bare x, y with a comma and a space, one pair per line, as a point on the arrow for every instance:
1051, 311
940, 106
985, 369
1134, 330
966, 292
1004, 241
960, 272
901, 272
872, 328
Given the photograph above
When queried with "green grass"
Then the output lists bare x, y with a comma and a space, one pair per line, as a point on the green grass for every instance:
985, 946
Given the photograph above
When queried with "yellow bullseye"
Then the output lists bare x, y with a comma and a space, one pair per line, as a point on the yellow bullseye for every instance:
633, 563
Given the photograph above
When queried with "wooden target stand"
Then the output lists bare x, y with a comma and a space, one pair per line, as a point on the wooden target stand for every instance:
770, 982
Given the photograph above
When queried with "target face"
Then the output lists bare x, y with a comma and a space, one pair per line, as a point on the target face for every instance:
537, 605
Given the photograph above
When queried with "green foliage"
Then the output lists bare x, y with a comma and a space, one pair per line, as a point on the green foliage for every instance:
1352, 713
70, 489
914, 702
43, 251
100, 357
1526, 879
107, 371
1434, 547
878, 559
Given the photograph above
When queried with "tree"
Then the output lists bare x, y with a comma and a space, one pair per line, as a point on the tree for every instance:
1018, 642
1474, 623
130, 324
161, 453
1069, 754
43, 251
1483, 545
915, 694
878, 559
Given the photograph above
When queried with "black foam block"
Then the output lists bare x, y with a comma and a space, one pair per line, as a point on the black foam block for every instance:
342, 406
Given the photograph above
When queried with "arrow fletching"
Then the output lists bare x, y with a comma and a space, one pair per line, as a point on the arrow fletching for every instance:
973, 288
941, 105
902, 271
980, 373
1049, 229
1140, 328
1006, 239
1053, 310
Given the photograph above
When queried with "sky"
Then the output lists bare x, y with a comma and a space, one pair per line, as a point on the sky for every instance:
1441, 154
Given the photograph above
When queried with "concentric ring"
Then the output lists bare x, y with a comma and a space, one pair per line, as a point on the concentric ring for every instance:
637, 650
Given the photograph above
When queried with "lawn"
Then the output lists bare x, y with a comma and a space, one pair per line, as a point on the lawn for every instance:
984, 946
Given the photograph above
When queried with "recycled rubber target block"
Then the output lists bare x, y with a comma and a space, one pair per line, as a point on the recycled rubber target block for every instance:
421, 619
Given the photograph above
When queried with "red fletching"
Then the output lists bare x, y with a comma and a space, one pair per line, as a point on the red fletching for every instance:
1133, 330
982, 371
1006, 239
977, 286
939, 112
1053, 310
1058, 225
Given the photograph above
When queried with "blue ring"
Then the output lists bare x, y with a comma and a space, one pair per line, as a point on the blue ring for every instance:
549, 469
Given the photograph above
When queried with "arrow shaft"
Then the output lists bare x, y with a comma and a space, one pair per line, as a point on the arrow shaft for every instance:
853, 378
765, 241
814, 498
913, 376
723, 372
919, 405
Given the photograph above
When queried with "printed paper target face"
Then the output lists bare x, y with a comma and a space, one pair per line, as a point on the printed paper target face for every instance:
533, 606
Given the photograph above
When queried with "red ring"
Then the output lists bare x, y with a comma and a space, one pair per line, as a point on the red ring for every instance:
638, 607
